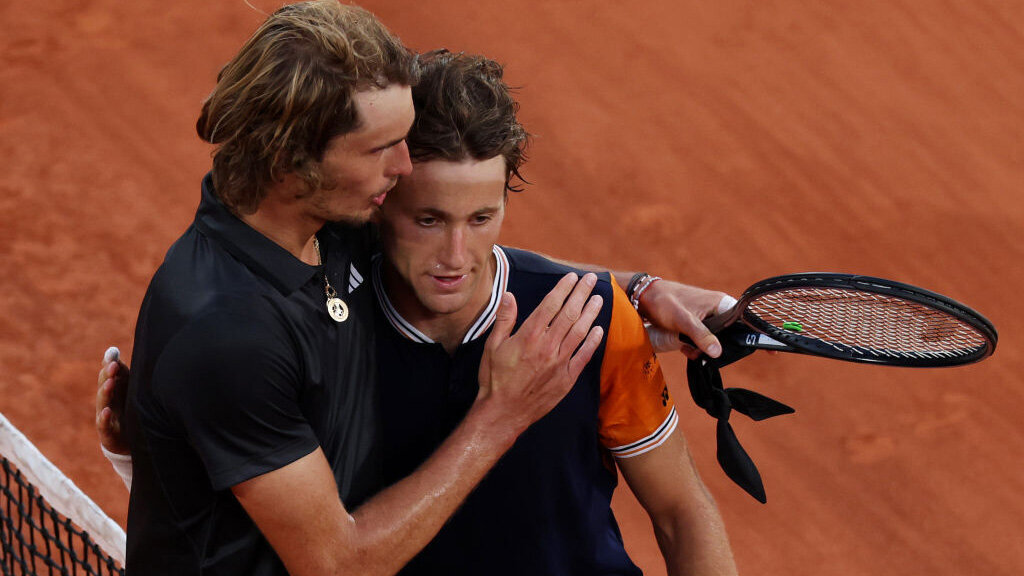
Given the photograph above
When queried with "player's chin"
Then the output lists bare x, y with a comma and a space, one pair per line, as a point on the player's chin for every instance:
370, 214
441, 304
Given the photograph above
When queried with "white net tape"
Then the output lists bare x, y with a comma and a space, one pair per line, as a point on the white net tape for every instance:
60, 492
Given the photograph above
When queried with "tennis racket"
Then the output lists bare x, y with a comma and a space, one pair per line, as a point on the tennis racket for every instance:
853, 318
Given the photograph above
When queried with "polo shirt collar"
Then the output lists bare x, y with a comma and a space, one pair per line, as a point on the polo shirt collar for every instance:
260, 254
499, 285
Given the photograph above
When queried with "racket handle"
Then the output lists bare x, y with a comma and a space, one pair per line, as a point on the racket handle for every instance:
665, 340
723, 317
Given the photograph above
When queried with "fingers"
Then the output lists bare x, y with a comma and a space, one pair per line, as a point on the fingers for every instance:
102, 405
111, 376
704, 340
105, 393
105, 386
585, 353
681, 309
106, 372
694, 339
663, 340
108, 423
691, 352
105, 399
110, 398
108, 426
572, 309
543, 315
111, 364
579, 329
105, 424
504, 321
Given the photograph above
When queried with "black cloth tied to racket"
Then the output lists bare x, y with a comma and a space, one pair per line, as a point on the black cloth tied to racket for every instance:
705, 383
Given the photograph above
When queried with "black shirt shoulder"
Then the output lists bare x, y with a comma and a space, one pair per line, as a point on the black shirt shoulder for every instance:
230, 378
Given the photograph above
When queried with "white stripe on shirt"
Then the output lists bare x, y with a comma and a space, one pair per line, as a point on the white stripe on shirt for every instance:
499, 284
655, 439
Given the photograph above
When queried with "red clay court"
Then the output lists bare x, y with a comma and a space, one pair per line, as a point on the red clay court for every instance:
715, 143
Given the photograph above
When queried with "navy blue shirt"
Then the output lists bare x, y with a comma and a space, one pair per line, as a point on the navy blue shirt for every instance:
238, 370
545, 508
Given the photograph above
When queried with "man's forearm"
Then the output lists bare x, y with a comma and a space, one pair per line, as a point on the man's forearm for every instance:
399, 521
671, 306
298, 510
698, 546
521, 377
687, 524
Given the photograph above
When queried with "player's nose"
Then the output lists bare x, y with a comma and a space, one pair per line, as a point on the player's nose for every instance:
453, 254
401, 164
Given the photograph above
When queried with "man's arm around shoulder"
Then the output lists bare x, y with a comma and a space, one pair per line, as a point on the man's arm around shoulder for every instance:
297, 507
522, 376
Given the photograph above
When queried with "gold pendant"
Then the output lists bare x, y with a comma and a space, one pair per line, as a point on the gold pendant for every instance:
337, 308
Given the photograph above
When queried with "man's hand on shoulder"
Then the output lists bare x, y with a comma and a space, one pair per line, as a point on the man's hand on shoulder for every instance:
524, 375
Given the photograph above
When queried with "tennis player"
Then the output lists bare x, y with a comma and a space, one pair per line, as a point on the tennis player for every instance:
252, 406
438, 287
545, 508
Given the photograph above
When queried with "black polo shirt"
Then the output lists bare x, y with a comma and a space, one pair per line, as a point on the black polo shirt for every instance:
238, 370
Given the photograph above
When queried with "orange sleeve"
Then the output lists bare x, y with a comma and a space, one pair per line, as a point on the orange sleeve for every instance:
636, 413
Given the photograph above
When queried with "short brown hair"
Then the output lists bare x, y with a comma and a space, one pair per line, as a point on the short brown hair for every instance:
289, 91
465, 110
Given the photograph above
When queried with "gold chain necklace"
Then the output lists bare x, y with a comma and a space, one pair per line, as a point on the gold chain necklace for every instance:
336, 307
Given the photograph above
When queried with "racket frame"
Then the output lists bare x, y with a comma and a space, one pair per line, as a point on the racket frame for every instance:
741, 330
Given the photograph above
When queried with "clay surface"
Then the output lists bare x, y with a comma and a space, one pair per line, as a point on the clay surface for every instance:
716, 143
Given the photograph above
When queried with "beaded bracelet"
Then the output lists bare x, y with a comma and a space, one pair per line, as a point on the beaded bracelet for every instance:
639, 284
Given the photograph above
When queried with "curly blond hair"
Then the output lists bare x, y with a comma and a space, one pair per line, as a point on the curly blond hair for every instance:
289, 91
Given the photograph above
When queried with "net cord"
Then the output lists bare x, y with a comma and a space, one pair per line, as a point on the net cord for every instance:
60, 491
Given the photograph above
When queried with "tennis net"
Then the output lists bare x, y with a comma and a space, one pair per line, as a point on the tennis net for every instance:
47, 525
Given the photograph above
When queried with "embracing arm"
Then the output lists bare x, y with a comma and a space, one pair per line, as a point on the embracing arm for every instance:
675, 308
522, 376
297, 507
687, 524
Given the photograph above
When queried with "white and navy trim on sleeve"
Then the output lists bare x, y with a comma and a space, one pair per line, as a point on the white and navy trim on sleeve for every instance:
655, 439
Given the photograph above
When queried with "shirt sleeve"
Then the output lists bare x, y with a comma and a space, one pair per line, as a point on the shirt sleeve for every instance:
636, 412
231, 381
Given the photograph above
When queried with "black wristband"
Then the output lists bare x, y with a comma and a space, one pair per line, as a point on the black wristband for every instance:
634, 282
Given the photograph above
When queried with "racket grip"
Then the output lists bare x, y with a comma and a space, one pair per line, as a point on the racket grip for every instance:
665, 340
715, 323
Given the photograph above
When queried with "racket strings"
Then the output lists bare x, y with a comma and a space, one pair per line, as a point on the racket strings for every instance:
867, 323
